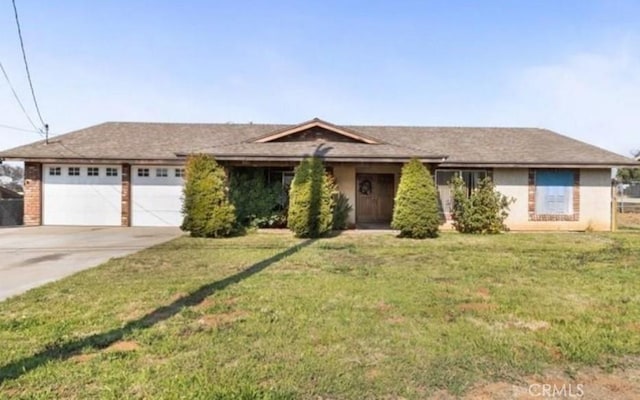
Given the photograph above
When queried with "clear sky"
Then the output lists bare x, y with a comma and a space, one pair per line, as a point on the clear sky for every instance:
569, 66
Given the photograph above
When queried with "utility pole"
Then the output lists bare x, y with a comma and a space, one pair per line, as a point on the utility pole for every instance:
46, 133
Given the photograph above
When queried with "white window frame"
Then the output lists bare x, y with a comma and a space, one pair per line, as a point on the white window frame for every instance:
73, 171
162, 172
179, 172
55, 171
93, 171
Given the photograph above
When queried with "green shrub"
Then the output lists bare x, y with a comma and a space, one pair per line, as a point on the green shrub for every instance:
341, 210
255, 200
483, 211
310, 200
206, 208
415, 211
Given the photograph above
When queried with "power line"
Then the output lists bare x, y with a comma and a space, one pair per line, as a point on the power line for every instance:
26, 65
26, 114
15, 128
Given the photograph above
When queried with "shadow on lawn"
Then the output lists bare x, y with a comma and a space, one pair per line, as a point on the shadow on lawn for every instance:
62, 351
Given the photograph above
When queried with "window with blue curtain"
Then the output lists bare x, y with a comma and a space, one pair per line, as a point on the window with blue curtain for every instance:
554, 192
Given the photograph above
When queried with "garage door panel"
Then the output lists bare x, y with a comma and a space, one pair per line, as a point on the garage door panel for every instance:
156, 196
70, 199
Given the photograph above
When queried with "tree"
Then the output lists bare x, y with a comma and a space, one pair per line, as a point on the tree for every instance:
311, 199
206, 207
11, 177
629, 175
484, 211
415, 211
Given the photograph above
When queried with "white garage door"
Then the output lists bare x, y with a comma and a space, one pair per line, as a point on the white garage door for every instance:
81, 194
156, 195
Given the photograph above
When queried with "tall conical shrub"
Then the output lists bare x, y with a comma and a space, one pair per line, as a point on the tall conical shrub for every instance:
206, 208
415, 211
311, 200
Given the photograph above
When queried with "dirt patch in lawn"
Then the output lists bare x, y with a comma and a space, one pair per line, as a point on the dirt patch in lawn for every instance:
122, 346
529, 325
383, 307
484, 293
82, 358
395, 320
211, 302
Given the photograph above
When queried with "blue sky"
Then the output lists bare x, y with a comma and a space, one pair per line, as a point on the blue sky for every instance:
569, 66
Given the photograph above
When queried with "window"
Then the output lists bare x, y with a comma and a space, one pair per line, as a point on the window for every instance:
471, 179
54, 171
112, 171
282, 178
161, 172
554, 192
143, 171
179, 172
93, 171
74, 171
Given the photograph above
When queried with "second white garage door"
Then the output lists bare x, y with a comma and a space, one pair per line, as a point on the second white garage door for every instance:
156, 195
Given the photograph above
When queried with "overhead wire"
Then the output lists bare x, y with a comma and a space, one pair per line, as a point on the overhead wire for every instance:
15, 128
26, 65
15, 95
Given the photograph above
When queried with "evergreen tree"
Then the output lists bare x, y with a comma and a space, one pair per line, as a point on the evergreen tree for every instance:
311, 200
206, 207
415, 211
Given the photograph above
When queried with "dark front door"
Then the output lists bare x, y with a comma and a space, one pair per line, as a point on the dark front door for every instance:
374, 198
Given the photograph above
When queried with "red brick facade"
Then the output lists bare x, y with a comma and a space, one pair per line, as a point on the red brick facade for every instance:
126, 195
32, 194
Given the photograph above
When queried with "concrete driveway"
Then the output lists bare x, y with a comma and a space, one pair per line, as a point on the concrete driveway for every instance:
32, 256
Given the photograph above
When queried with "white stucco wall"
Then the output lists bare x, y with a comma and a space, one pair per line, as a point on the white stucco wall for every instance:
346, 180
595, 200
595, 196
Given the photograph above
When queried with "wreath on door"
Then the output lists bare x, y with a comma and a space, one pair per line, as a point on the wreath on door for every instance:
365, 187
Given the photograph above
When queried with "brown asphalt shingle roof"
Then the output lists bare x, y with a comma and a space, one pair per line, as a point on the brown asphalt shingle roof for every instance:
165, 141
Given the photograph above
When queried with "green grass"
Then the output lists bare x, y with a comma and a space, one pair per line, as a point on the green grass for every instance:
354, 316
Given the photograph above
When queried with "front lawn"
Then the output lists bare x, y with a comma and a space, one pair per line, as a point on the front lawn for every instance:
354, 316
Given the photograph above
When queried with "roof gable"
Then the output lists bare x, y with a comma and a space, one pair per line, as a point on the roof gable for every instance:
316, 130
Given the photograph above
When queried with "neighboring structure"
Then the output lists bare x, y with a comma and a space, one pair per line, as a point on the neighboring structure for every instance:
131, 173
11, 207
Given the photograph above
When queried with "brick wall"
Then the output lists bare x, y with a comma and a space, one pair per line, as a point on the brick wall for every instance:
32, 194
126, 195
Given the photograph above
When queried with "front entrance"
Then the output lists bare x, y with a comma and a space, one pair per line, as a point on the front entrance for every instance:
374, 199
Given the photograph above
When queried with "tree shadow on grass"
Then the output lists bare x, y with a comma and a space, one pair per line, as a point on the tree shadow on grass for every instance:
65, 350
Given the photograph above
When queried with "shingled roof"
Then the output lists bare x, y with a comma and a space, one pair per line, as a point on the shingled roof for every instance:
452, 146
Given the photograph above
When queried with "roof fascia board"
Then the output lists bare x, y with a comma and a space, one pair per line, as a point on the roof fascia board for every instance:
317, 123
64, 160
537, 165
